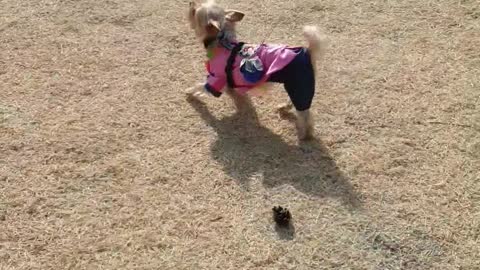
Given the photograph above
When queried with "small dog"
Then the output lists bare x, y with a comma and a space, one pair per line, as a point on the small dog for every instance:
239, 67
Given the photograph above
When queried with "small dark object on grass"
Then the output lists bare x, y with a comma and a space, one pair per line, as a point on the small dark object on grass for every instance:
281, 216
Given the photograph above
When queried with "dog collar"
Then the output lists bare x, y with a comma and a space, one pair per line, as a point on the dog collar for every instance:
211, 44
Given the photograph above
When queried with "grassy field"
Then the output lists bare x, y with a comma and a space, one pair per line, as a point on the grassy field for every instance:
104, 164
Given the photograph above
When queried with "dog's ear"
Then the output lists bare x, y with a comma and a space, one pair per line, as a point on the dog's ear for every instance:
192, 9
213, 27
234, 15
191, 13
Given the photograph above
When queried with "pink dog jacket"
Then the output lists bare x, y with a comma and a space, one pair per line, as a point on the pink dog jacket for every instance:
267, 59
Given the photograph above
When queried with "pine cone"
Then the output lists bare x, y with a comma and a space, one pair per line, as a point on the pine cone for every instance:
281, 216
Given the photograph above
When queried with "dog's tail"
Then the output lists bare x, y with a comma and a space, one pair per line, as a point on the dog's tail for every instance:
316, 42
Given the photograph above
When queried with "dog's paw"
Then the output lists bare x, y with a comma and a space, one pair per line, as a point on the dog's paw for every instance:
195, 92
305, 133
199, 94
285, 111
284, 107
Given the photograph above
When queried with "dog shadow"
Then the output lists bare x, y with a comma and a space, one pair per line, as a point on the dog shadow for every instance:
245, 149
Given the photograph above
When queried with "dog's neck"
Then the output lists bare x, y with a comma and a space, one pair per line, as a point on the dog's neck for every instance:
225, 38
209, 42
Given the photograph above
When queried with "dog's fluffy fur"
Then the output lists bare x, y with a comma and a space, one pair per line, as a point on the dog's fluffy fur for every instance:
208, 19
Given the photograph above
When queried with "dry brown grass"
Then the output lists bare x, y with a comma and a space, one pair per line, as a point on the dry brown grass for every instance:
105, 165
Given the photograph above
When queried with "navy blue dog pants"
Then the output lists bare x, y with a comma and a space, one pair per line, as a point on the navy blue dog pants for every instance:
298, 78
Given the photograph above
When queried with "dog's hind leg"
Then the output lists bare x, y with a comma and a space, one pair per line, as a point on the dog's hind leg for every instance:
305, 125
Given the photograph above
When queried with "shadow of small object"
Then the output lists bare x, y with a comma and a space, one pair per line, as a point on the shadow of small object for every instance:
245, 148
285, 232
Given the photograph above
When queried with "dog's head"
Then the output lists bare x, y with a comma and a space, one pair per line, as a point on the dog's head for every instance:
208, 19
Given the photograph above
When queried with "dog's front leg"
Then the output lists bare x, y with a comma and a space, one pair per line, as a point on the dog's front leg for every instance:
196, 91
242, 102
